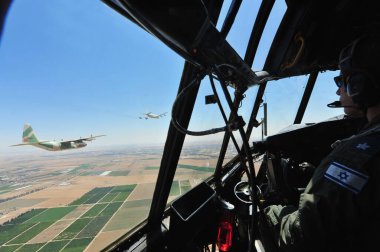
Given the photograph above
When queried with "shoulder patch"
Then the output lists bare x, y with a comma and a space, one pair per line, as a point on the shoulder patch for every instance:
346, 177
369, 144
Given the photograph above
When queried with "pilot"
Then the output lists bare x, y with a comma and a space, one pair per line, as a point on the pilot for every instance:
340, 207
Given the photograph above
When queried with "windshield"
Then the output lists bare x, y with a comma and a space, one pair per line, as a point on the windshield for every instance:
72, 72
85, 102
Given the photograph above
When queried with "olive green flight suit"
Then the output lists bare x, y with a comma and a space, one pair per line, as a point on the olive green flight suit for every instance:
340, 208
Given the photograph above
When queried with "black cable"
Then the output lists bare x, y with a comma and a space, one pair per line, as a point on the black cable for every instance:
181, 129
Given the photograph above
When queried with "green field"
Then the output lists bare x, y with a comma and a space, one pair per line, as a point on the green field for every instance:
109, 197
92, 196
30, 233
79, 169
28, 215
54, 246
179, 187
152, 168
77, 245
196, 168
6, 188
31, 247
174, 190
94, 211
8, 232
110, 209
119, 173
185, 186
106, 202
51, 214
91, 173
93, 227
100, 193
10, 248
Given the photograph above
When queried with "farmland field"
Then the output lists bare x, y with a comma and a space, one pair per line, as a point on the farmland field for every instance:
16, 234
98, 206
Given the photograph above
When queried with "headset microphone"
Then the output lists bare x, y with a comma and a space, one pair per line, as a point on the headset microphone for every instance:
335, 104
338, 104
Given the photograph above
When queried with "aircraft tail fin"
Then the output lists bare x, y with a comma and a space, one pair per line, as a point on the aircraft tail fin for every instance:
28, 135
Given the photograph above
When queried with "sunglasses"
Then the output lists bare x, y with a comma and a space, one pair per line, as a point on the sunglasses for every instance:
339, 81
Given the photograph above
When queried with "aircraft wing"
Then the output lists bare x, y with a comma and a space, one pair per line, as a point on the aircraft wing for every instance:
163, 114
31, 143
90, 138
20, 144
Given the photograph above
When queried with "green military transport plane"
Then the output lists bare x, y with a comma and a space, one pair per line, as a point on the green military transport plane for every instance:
30, 138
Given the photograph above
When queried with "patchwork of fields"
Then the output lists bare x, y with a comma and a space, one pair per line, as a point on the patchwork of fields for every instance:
84, 201
69, 228
74, 227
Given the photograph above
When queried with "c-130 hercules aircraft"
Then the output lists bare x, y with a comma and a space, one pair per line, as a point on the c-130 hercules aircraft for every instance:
30, 138
151, 115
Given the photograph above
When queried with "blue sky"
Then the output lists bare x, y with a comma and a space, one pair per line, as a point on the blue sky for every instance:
71, 70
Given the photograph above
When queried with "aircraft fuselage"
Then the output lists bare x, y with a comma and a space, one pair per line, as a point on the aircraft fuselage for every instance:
58, 146
153, 116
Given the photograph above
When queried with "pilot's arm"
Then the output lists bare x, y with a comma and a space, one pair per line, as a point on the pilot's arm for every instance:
291, 226
331, 217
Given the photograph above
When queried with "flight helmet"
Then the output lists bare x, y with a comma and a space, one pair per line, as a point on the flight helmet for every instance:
360, 70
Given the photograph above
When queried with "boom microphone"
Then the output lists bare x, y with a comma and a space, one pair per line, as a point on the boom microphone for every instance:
335, 104
338, 104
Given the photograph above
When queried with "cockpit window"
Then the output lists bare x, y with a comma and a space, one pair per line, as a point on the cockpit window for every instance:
283, 98
69, 73
205, 149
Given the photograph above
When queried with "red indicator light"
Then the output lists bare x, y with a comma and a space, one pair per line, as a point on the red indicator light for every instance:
224, 240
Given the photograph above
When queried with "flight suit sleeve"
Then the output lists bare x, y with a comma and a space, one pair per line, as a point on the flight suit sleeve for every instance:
301, 230
290, 226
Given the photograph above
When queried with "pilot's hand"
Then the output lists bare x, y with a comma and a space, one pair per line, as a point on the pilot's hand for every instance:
275, 213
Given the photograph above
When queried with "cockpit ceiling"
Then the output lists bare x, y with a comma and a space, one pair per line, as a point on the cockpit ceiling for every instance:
309, 38
181, 25
313, 32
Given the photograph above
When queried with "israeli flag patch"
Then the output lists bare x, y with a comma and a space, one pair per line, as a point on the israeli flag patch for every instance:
346, 177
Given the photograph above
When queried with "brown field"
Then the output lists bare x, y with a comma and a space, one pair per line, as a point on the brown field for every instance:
77, 212
103, 239
142, 191
51, 232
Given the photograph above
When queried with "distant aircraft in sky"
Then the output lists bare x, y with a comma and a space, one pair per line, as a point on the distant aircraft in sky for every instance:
30, 138
151, 115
